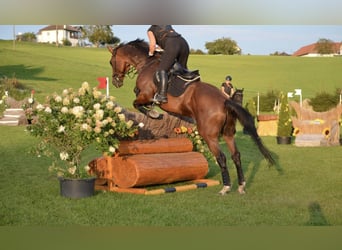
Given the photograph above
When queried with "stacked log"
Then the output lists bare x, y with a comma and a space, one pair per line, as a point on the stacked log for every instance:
150, 162
158, 128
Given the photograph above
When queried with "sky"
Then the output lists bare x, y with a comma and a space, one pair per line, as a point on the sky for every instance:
252, 39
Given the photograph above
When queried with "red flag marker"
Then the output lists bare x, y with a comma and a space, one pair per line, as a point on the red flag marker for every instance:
102, 82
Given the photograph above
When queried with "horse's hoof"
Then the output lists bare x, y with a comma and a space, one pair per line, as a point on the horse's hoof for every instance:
224, 190
241, 191
153, 114
241, 188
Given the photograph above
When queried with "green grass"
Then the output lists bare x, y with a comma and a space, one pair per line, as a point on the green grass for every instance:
47, 68
303, 189
264, 73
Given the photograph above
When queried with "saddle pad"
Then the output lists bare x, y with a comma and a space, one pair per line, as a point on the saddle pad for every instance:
177, 86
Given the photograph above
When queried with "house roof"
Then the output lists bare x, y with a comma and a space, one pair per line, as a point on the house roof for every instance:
58, 27
311, 49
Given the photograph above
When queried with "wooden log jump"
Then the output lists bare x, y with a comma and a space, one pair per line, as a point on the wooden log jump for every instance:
151, 162
171, 145
196, 184
267, 125
149, 169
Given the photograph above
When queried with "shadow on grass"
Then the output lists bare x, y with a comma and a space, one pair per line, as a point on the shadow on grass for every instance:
22, 71
250, 156
317, 217
256, 166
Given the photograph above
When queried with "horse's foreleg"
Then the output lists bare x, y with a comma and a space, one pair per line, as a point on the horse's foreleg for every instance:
144, 105
141, 108
148, 110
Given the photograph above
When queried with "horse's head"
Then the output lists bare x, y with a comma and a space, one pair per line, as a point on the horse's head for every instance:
119, 66
134, 53
238, 96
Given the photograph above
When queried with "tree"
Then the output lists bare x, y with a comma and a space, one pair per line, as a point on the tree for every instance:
277, 53
27, 37
324, 46
99, 34
198, 52
225, 46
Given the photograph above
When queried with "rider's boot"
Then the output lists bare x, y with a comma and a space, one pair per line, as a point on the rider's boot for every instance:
162, 78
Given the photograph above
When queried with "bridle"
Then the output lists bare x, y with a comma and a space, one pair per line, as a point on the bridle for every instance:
116, 76
131, 72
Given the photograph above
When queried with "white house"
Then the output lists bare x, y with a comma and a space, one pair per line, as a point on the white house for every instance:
59, 33
311, 51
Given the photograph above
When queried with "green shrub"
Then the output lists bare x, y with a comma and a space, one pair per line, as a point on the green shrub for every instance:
251, 107
266, 101
14, 88
284, 122
324, 101
66, 42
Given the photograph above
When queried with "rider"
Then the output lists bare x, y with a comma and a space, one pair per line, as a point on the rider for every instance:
175, 49
227, 87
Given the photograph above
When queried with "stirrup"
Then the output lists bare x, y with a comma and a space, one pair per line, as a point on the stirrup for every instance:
158, 99
154, 113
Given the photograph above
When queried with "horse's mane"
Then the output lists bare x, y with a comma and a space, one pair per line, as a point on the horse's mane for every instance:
139, 44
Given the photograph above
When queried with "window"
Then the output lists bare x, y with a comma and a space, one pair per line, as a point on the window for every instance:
74, 35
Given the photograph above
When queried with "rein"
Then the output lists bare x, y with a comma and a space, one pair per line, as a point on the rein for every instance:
115, 75
130, 73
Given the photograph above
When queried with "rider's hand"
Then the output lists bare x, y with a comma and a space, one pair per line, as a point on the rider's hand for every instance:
159, 49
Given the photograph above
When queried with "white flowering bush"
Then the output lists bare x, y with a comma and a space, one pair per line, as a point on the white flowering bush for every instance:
3, 105
68, 123
29, 106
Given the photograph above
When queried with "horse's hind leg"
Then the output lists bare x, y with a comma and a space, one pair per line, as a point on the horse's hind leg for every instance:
221, 160
241, 179
210, 131
235, 155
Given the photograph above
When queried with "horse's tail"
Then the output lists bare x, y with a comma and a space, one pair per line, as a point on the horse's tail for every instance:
247, 121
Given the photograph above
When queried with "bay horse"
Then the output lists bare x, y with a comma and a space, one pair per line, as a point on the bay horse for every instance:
238, 96
213, 113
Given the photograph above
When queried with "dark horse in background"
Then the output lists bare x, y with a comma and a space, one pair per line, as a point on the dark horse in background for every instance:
214, 115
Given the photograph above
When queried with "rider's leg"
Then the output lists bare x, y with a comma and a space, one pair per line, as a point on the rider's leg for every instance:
163, 84
183, 53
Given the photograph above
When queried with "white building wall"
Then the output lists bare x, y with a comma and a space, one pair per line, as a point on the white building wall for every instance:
50, 36
318, 55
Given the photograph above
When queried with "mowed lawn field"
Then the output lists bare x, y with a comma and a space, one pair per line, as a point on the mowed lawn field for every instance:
303, 189
47, 68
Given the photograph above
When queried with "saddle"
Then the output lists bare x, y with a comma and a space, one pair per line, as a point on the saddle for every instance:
184, 73
179, 79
